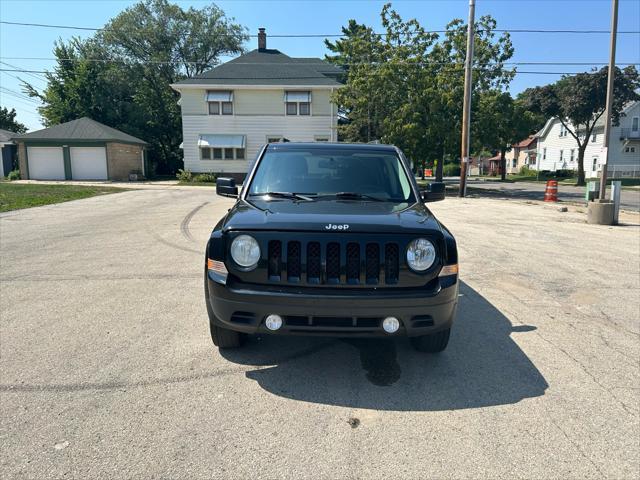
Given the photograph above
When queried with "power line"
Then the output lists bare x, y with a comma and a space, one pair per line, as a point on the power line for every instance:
159, 62
18, 95
20, 79
19, 69
475, 68
320, 35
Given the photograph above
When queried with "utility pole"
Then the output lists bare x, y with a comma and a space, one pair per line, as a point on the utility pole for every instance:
466, 108
610, 78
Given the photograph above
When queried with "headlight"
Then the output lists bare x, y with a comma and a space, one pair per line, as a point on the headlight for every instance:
245, 251
421, 254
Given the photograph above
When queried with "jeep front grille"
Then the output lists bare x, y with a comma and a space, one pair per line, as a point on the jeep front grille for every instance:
333, 263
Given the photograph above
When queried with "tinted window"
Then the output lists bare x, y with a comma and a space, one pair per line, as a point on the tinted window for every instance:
330, 171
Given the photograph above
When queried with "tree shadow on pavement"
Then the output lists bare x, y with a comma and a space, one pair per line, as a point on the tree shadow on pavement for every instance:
482, 366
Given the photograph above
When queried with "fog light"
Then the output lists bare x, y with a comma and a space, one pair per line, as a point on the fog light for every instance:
273, 322
391, 324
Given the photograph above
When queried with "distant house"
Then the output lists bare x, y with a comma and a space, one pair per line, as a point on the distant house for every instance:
494, 165
522, 154
264, 96
556, 149
82, 149
9, 152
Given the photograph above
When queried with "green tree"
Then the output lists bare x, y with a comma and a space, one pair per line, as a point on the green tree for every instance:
579, 101
501, 121
8, 121
405, 85
122, 75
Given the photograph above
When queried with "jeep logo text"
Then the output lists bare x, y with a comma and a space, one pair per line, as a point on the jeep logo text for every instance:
331, 226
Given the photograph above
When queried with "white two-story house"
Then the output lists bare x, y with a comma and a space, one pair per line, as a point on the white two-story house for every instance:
557, 149
264, 96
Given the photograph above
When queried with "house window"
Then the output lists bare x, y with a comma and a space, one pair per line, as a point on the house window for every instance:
292, 108
635, 124
561, 154
563, 130
297, 103
544, 153
227, 108
514, 164
594, 138
304, 108
220, 102
630, 150
594, 167
215, 153
572, 156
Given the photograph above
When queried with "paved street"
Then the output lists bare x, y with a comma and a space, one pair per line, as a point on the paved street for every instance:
107, 369
629, 198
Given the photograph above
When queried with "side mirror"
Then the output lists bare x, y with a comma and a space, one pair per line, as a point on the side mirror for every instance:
226, 187
434, 192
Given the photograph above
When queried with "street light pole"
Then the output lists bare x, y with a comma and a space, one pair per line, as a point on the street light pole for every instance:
610, 78
466, 107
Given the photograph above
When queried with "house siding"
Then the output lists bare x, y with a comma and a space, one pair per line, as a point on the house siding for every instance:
254, 101
620, 162
257, 114
255, 128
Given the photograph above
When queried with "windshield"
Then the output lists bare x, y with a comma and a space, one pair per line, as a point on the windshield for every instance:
361, 175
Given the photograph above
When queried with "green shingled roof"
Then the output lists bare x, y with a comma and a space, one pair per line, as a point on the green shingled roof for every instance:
269, 67
6, 135
83, 129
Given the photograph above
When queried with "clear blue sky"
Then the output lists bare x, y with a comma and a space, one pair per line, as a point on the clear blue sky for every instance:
326, 17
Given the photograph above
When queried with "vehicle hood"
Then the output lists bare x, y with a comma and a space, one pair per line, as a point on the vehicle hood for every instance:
360, 216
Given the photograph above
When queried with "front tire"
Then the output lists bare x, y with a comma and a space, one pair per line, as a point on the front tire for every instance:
433, 343
224, 338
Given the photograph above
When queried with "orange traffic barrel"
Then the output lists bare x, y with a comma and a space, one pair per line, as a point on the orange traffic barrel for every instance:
551, 192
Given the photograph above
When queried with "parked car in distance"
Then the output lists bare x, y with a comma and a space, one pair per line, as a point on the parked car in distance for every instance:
331, 239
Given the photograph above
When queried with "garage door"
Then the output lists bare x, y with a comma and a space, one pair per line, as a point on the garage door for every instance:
88, 163
45, 163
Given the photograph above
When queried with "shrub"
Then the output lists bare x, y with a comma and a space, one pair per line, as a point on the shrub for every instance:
184, 175
565, 173
206, 178
14, 175
527, 172
451, 170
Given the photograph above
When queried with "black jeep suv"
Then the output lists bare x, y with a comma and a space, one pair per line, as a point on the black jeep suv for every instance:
331, 239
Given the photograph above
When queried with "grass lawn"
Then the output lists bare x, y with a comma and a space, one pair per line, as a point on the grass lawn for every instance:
16, 196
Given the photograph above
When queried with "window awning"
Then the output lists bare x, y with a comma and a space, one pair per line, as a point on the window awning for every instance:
219, 96
297, 96
222, 141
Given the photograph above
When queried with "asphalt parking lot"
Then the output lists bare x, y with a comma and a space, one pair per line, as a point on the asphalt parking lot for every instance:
107, 369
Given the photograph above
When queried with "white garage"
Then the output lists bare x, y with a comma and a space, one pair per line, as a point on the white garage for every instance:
46, 163
88, 163
81, 149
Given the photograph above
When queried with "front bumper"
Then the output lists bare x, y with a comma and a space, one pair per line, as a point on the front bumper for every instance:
339, 312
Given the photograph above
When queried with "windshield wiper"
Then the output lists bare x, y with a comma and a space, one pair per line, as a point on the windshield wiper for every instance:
357, 196
291, 195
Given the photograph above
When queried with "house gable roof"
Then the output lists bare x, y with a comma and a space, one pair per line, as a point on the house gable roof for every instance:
6, 136
82, 129
526, 142
268, 67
